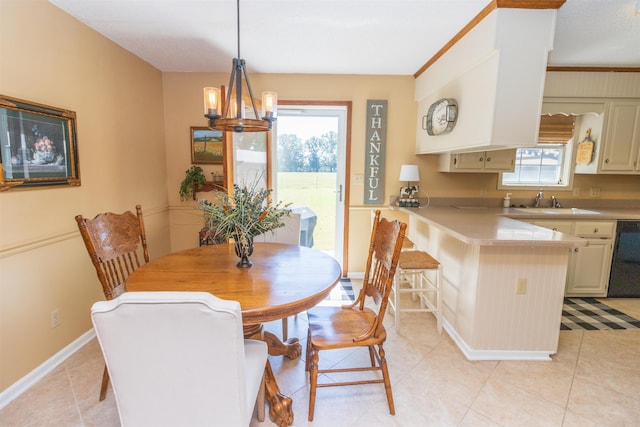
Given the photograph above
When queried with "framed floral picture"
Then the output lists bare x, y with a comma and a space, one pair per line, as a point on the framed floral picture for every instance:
207, 146
38, 145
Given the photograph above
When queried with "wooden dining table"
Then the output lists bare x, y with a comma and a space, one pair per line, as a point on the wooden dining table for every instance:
283, 281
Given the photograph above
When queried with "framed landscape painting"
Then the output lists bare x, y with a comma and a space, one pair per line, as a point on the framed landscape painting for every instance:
207, 146
38, 145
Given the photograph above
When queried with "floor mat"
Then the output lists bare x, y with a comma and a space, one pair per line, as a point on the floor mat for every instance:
591, 314
342, 292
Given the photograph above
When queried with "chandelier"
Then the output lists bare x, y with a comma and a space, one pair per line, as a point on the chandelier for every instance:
233, 117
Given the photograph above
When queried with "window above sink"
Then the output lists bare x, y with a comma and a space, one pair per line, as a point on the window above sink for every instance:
547, 164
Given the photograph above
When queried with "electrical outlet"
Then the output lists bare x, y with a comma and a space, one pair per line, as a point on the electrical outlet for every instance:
594, 192
521, 286
576, 192
358, 179
55, 318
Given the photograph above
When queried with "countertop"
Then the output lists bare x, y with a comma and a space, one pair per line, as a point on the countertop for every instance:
600, 214
503, 226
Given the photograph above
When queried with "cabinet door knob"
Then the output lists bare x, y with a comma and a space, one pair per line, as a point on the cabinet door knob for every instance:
576, 250
488, 159
482, 159
554, 229
595, 230
606, 160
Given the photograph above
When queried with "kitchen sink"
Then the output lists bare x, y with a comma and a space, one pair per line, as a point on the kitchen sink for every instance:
557, 211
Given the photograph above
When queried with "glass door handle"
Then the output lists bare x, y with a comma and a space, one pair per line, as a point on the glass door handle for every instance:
339, 191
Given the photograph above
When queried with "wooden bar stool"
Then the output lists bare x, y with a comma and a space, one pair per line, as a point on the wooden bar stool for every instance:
408, 245
419, 274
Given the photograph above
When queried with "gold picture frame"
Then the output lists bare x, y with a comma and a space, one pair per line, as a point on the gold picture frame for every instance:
207, 146
38, 145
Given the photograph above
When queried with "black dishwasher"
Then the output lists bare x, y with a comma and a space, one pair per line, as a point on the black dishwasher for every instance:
624, 281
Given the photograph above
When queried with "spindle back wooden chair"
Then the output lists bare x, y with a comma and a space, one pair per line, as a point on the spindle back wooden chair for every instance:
117, 246
355, 325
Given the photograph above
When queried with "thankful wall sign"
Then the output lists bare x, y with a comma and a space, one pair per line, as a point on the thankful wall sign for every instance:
375, 148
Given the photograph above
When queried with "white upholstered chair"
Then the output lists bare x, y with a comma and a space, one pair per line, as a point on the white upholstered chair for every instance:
290, 235
180, 359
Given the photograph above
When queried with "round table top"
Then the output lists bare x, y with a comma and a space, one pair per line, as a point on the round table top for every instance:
284, 280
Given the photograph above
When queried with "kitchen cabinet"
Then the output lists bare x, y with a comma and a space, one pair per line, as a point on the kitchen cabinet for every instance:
503, 280
621, 150
589, 267
561, 226
617, 150
482, 161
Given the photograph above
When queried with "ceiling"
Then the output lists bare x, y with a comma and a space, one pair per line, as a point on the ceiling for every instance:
394, 37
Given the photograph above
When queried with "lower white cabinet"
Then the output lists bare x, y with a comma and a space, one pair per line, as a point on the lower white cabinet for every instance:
589, 267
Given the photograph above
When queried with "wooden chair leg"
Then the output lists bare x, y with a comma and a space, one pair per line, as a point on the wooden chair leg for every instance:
387, 382
307, 360
285, 329
313, 376
372, 356
105, 383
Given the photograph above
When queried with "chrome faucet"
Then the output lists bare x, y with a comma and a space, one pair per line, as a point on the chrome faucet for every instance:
536, 201
555, 203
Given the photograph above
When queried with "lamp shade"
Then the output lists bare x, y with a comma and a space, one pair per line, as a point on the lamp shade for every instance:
409, 173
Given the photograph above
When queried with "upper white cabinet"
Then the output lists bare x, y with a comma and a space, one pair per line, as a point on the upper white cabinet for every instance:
483, 161
617, 143
496, 73
621, 149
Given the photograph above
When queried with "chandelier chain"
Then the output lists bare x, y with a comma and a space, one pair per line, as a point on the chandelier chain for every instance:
238, 25
227, 122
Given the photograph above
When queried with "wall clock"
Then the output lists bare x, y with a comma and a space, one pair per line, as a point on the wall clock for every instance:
441, 117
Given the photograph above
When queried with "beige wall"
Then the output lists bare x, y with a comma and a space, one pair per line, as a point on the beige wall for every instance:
183, 108
48, 57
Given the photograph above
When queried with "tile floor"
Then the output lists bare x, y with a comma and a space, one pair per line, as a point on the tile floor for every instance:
594, 380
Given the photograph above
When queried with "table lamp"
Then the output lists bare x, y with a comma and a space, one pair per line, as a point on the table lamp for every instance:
409, 173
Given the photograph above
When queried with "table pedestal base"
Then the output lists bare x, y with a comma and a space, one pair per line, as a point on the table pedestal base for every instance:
290, 348
280, 406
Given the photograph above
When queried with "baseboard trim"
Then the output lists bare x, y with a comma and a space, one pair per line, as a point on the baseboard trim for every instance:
472, 354
26, 382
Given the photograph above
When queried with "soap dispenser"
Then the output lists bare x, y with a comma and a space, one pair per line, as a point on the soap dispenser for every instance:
506, 202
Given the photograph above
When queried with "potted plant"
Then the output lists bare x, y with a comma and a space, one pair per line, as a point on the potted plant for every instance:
193, 175
243, 215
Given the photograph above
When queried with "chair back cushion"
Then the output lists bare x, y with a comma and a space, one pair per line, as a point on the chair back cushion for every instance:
175, 358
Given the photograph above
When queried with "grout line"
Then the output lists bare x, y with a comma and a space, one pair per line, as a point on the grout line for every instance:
75, 395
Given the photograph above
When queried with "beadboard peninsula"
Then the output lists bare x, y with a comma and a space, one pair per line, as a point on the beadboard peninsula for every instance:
503, 280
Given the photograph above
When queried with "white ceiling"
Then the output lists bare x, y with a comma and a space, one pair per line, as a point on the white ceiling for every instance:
337, 36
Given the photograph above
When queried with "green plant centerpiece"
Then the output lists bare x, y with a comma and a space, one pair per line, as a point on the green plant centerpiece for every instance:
193, 175
241, 216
